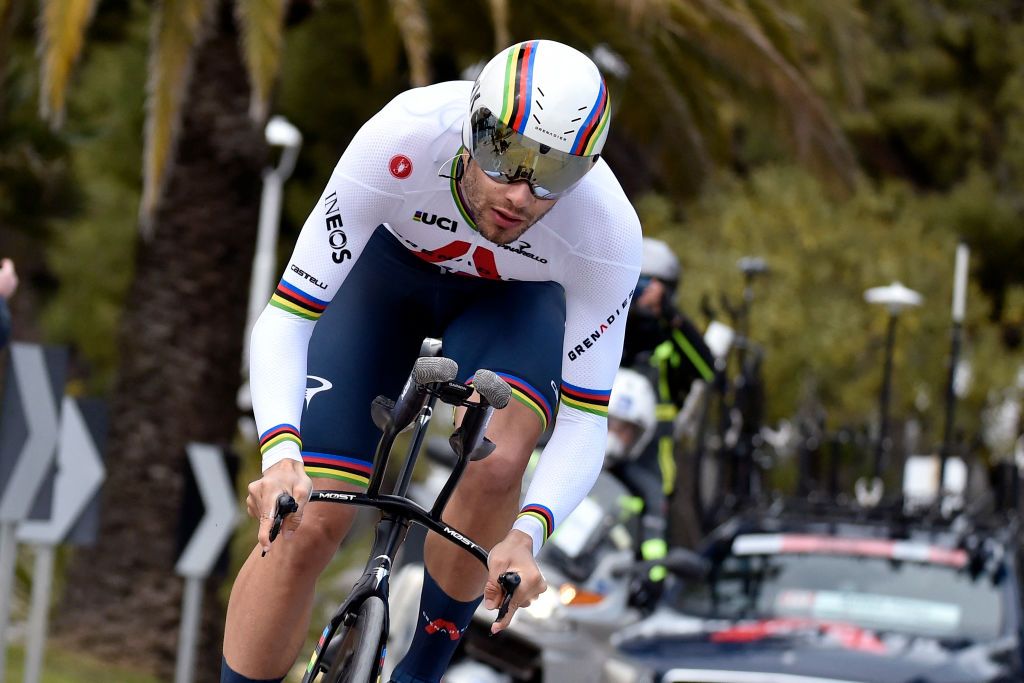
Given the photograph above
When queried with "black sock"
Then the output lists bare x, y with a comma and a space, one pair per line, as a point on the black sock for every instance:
440, 625
229, 675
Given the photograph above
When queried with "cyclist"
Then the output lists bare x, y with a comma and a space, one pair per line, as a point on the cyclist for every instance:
631, 426
477, 212
663, 344
8, 285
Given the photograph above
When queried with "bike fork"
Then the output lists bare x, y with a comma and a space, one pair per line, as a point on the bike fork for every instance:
388, 537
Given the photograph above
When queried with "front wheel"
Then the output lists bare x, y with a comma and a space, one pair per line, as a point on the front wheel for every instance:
355, 651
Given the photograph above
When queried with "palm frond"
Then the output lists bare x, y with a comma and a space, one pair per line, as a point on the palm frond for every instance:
62, 25
262, 28
380, 40
642, 13
499, 19
778, 26
176, 31
739, 42
413, 25
842, 27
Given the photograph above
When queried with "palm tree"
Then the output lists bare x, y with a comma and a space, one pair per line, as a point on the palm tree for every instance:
180, 335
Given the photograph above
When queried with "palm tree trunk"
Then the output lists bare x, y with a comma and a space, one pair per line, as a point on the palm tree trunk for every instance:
180, 344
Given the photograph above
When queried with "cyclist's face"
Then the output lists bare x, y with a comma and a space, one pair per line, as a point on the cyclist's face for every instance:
650, 299
502, 212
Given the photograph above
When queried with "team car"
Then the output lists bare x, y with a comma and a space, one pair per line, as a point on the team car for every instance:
826, 594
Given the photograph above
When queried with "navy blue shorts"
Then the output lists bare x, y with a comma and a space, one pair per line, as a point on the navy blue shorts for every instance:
366, 342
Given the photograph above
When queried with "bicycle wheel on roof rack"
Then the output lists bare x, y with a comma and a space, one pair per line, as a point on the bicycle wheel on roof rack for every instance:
354, 652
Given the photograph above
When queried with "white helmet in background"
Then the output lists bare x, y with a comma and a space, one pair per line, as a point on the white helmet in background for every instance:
659, 261
631, 415
539, 111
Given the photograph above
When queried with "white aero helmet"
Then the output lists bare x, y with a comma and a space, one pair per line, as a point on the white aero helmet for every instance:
632, 401
659, 261
539, 112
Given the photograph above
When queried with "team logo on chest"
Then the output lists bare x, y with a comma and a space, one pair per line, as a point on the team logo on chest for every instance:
522, 247
400, 166
442, 222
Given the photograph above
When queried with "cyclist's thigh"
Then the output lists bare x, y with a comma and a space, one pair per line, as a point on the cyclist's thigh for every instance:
514, 329
363, 346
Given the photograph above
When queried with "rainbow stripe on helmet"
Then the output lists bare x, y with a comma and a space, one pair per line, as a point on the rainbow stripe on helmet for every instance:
516, 100
591, 130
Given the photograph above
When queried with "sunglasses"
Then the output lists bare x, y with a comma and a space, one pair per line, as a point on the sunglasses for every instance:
506, 156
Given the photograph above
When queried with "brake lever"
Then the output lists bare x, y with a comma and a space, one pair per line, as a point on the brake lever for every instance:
286, 505
508, 581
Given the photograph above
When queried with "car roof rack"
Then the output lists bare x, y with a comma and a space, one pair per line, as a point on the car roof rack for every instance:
987, 537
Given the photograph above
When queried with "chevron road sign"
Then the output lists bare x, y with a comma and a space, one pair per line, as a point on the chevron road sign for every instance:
80, 473
28, 440
30, 421
219, 499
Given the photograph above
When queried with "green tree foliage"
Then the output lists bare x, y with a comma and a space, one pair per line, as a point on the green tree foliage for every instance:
92, 251
944, 109
35, 184
824, 343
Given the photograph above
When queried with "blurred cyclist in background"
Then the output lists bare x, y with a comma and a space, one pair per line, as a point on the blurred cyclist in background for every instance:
632, 422
664, 345
8, 285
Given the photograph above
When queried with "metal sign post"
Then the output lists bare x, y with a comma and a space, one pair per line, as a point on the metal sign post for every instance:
963, 255
27, 448
204, 547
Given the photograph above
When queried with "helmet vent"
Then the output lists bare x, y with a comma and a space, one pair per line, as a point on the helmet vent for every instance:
578, 118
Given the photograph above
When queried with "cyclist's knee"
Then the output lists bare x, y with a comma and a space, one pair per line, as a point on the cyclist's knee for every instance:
495, 476
316, 540
515, 430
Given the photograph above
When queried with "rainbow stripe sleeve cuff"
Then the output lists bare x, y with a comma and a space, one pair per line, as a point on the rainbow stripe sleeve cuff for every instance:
275, 436
532, 516
339, 467
592, 401
293, 300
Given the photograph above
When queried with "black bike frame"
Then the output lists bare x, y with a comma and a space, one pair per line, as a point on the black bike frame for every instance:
397, 513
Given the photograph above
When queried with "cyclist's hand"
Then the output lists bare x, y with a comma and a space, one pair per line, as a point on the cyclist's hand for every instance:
515, 554
286, 476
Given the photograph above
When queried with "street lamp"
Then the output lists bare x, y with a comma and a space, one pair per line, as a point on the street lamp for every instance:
895, 297
279, 132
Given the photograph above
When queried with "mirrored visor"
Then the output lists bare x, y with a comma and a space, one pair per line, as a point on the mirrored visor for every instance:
507, 156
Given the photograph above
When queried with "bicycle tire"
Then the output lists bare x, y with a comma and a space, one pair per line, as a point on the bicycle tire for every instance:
357, 655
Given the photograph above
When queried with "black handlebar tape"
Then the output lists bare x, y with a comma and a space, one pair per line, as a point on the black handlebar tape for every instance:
414, 394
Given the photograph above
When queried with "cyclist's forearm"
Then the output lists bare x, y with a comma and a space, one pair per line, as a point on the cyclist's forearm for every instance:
567, 470
277, 372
